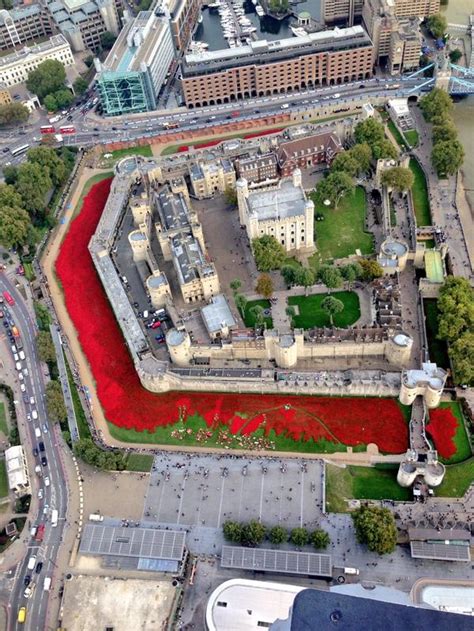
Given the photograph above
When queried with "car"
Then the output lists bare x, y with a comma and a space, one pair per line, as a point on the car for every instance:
39, 567
41, 446
69, 118
40, 494
45, 509
35, 451
5, 150
5, 324
25, 372
155, 325
25, 396
45, 428
20, 376
29, 590
27, 580
23, 389
32, 400
21, 615
22, 355
44, 461
28, 417
32, 562
96, 129
47, 481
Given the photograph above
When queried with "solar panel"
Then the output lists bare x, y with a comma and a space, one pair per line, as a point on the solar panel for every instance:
440, 551
146, 543
284, 561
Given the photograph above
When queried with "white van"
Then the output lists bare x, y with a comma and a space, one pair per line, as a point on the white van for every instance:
96, 517
32, 562
22, 355
15, 357
37, 432
32, 400
18, 365
47, 583
34, 414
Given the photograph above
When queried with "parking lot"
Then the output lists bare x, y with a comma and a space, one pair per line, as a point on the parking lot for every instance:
202, 492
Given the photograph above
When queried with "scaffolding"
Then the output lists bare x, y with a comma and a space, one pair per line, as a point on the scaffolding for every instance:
124, 92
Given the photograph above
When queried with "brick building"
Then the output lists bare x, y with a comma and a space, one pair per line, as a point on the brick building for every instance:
307, 152
256, 169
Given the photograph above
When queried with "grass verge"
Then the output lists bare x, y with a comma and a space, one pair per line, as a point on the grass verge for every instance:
82, 425
3, 419
139, 462
457, 480
420, 195
117, 154
249, 317
311, 314
411, 136
3, 479
461, 439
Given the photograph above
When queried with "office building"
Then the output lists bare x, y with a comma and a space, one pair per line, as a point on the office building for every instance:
135, 70
281, 211
405, 47
341, 11
24, 24
307, 152
263, 68
14, 68
211, 177
257, 169
183, 15
17, 471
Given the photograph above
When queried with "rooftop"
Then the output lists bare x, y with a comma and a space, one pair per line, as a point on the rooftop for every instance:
276, 561
172, 210
429, 374
285, 201
37, 49
188, 258
217, 314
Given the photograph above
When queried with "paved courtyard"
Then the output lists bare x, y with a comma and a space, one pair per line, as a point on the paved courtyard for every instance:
202, 492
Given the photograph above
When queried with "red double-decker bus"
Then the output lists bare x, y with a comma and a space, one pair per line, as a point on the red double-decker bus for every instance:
47, 129
67, 129
8, 298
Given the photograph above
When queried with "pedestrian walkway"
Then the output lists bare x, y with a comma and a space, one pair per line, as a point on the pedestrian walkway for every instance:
63, 376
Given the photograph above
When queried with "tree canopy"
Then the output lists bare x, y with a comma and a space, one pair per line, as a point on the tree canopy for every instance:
351, 272
334, 187
299, 537
456, 308
45, 347
268, 252
264, 286
80, 85
332, 306
319, 539
447, 157
330, 276
446, 131
107, 40
33, 183
14, 220
398, 179
87, 450
376, 528
278, 535
48, 159
55, 402
437, 25
369, 131
436, 103
461, 353
12, 113
370, 269
47, 78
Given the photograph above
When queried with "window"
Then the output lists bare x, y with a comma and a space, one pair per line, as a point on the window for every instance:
221, 604
261, 623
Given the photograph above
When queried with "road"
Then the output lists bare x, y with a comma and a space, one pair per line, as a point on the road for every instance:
55, 496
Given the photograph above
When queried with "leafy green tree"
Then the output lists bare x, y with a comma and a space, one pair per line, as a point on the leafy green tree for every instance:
278, 6
268, 252
6, 4
107, 40
362, 154
48, 159
384, 149
345, 162
10, 174
55, 402
334, 187
437, 25
305, 277
289, 274
370, 269
330, 276
230, 195
369, 131
240, 303
456, 308
436, 103
43, 318
264, 285
299, 537
320, 539
376, 528
9, 196
461, 353
235, 285
447, 157
257, 312
50, 103
455, 55
351, 272
232, 531
13, 113
33, 184
278, 535
47, 78
80, 86
445, 132
332, 306
45, 347
64, 98
398, 179
253, 533
15, 225
87, 450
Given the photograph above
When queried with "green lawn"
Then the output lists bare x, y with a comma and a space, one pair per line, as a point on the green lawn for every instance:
438, 349
139, 462
396, 134
411, 136
3, 419
457, 480
144, 150
3, 479
249, 318
361, 483
29, 272
420, 195
429, 244
342, 231
461, 440
311, 315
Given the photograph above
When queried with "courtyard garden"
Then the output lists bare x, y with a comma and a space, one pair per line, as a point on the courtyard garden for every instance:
420, 195
342, 230
447, 429
297, 423
250, 317
311, 315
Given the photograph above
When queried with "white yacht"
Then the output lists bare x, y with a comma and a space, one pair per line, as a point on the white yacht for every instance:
298, 31
260, 12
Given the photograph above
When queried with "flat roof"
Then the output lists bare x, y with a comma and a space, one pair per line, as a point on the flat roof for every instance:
143, 543
423, 534
217, 314
279, 561
55, 41
440, 551
284, 201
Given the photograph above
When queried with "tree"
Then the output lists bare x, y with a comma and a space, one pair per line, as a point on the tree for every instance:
289, 274
64, 98
299, 537
49, 160
456, 308
461, 353
334, 187
447, 157
446, 131
107, 40
87, 450
240, 302
320, 539
369, 131
230, 195
278, 535
268, 252
345, 162
384, 150
45, 347
235, 285
10, 174
258, 312
55, 402
362, 154
50, 103
12, 113
455, 55
436, 103
47, 78
43, 318
253, 533
80, 86
232, 531
376, 528
264, 286
278, 6
330, 276
291, 312
15, 225
33, 184
398, 179
351, 272
370, 269
437, 25
305, 277
332, 306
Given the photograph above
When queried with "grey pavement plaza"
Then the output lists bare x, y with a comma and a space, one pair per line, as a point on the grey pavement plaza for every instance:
201, 492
